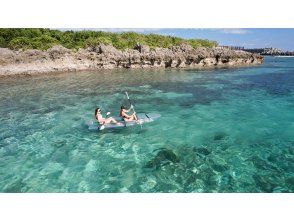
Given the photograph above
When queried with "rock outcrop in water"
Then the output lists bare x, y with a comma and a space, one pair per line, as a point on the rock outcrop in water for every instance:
58, 58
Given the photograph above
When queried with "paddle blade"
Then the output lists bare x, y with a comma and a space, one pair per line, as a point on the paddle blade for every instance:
127, 95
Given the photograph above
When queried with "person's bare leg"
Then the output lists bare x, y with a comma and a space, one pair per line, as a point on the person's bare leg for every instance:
134, 117
129, 119
111, 120
115, 121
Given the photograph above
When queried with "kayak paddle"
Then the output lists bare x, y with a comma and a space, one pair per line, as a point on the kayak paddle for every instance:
133, 108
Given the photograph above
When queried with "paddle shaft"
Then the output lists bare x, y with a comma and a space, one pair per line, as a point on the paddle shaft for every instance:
133, 106
130, 101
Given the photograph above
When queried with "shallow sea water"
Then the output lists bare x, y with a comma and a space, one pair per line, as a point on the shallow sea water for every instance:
221, 130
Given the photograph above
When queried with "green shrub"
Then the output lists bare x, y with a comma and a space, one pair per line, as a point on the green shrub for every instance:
202, 43
20, 43
92, 41
42, 39
2, 42
43, 42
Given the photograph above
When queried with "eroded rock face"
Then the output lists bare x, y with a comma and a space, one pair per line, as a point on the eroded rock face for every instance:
58, 52
6, 56
59, 58
142, 48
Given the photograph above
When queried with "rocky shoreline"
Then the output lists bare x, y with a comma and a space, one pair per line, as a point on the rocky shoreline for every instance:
61, 59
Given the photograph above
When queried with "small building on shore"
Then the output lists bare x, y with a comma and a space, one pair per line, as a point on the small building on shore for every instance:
230, 47
270, 51
267, 51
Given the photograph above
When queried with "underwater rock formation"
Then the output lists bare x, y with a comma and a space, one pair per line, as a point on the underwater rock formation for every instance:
162, 157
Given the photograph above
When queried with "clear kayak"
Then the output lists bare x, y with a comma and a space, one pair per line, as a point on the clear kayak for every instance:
142, 118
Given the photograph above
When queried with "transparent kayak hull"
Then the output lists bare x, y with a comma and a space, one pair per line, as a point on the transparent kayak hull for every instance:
143, 118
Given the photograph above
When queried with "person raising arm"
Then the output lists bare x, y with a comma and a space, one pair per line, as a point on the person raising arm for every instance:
101, 120
123, 114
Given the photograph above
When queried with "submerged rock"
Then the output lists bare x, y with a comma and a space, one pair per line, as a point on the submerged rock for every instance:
219, 136
262, 164
264, 183
162, 157
202, 151
15, 187
227, 180
290, 182
219, 168
208, 176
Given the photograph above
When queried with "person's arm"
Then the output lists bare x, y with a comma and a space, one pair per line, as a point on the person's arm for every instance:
130, 108
125, 115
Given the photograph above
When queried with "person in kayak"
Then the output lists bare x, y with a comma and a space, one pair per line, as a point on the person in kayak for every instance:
125, 116
101, 120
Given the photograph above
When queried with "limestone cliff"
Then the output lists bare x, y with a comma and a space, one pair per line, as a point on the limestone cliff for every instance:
58, 58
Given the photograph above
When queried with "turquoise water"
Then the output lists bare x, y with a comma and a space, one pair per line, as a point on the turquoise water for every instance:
222, 130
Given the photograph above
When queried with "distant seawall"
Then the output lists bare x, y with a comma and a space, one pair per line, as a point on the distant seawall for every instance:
58, 58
